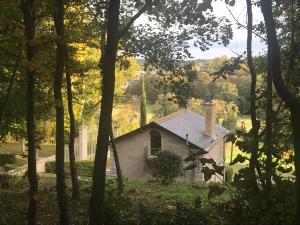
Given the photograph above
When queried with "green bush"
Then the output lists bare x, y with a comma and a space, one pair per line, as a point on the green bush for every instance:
228, 174
7, 158
84, 167
4, 181
166, 166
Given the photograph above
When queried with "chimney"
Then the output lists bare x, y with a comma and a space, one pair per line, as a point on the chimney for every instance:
209, 119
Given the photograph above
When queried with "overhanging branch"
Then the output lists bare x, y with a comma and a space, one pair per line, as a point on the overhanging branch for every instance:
133, 19
244, 26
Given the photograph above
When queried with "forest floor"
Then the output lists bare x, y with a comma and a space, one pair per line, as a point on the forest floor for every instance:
14, 198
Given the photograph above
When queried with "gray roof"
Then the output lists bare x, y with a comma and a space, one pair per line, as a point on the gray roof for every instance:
188, 122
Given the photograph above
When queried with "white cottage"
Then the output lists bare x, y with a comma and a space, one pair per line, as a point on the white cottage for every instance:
182, 132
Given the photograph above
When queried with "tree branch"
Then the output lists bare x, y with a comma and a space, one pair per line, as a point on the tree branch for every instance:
275, 57
244, 26
133, 19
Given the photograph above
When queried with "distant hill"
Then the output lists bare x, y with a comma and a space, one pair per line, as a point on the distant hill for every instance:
201, 62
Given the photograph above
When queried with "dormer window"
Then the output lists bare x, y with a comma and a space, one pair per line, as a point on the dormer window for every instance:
155, 142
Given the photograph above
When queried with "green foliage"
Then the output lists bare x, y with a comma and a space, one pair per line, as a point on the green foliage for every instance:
209, 166
167, 166
228, 174
134, 88
150, 203
258, 207
6, 158
165, 105
183, 214
4, 180
239, 159
215, 190
143, 202
84, 167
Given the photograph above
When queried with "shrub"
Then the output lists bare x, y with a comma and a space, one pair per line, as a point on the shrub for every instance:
228, 174
84, 167
7, 158
4, 181
167, 166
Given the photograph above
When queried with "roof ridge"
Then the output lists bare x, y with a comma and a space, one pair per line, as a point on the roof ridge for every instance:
171, 116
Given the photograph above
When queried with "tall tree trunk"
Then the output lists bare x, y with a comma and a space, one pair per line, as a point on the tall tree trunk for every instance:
295, 119
73, 167
108, 83
29, 22
268, 141
291, 101
117, 163
59, 108
254, 121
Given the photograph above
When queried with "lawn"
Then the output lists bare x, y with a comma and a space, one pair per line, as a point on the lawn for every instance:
15, 148
157, 198
242, 121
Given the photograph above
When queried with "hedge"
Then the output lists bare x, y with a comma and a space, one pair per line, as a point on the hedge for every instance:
7, 158
84, 167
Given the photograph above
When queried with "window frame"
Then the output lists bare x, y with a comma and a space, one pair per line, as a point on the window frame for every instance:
150, 142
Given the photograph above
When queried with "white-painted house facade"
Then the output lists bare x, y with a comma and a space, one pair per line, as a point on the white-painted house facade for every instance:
182, 132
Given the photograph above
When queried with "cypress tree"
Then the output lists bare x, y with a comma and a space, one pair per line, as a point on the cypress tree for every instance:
143, 105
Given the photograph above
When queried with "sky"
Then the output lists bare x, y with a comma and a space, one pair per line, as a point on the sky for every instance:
239, 42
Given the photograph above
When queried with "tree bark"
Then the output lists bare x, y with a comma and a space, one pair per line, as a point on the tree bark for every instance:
254, 121
117, 162
108, 83
73, 167
59, 108
291, 101
295, 119
27, 8
268, 139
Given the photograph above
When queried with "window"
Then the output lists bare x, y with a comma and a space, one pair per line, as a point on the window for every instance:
155, 142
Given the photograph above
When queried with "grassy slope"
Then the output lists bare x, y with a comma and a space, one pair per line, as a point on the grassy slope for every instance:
147, 192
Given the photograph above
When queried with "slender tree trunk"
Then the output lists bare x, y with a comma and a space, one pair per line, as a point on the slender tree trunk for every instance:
291, 101
59, 108
108, 83
29, 22
73, 167
117, 162
254, 121
23, 148
231, 152
295, 118
268, 140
